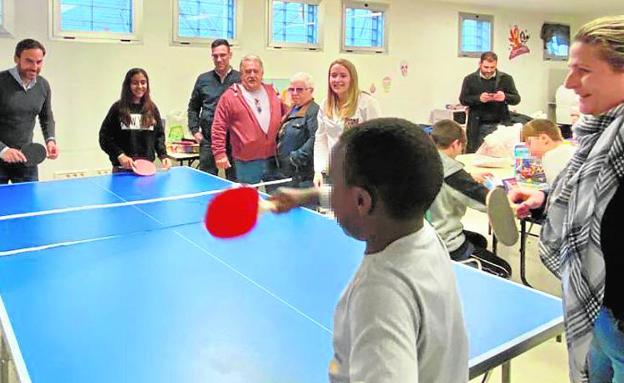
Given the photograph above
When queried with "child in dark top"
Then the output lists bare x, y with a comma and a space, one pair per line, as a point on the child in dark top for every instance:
133, 128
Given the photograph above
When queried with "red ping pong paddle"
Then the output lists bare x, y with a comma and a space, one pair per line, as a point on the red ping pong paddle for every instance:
234, 212
144, 167
35, 153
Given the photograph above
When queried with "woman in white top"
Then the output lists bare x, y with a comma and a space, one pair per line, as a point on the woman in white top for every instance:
345, 106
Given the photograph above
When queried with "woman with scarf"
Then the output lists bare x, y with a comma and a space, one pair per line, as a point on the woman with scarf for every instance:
580, 240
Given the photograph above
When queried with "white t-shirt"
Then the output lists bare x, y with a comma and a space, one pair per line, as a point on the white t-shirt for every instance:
330, 129
400, 319
258, 101
555, 160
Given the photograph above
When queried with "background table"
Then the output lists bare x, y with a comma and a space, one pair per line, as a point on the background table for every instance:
189, 158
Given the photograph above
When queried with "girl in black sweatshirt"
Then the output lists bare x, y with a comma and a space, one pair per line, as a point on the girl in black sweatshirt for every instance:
133, 128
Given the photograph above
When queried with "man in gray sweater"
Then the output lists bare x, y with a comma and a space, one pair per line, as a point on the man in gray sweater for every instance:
24, 96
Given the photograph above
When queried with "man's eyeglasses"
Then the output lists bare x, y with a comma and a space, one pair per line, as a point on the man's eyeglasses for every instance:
258, 106
297, 90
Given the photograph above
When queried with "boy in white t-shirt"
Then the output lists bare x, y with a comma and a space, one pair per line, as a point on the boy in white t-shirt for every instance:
400, 318
543, 137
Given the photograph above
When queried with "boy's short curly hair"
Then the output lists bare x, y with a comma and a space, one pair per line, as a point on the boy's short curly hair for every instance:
396, 162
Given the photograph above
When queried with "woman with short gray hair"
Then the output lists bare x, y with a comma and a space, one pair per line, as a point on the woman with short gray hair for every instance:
295, 140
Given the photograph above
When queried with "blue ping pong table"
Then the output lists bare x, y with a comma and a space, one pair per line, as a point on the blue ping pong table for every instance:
115, 279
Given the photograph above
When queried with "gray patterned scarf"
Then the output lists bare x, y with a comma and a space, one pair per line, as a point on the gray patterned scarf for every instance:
570, 238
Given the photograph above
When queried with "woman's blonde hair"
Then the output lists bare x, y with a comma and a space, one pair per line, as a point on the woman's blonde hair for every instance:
347, 108
607, 34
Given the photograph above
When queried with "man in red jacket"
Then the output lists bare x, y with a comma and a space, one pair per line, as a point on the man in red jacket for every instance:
252, 113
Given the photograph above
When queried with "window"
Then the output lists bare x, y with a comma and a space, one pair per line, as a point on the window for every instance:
294, 23
364, 27
6, 17
556, 39
201, 21
106, 20
475, 34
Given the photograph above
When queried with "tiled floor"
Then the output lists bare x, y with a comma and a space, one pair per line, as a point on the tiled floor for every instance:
546, 363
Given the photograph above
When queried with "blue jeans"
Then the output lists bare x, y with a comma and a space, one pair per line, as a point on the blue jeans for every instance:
250, 172
606, 354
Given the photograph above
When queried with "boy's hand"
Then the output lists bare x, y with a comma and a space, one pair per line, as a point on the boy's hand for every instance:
480, 177
286, 199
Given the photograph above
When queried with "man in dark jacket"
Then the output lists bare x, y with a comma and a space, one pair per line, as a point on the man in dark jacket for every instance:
201, 108
487, 92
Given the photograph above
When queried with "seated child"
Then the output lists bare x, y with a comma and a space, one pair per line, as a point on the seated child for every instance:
400, 318
459, 191
544, 141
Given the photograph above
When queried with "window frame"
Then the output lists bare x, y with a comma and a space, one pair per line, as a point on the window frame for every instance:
546, 56
7, 25
136, 36
373, 7
290, 45
176, 39
473, 16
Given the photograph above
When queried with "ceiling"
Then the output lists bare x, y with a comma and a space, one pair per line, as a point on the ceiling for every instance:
582, 8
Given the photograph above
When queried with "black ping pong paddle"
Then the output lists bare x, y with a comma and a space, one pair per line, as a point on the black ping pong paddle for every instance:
35, 153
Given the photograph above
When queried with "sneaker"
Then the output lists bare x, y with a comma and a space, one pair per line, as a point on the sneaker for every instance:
493, 264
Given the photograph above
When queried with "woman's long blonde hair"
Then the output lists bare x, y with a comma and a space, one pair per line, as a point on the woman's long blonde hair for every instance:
348, 107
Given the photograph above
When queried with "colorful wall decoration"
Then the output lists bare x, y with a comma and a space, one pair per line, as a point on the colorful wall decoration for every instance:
518, 42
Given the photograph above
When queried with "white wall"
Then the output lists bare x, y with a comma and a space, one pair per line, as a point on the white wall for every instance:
86, 77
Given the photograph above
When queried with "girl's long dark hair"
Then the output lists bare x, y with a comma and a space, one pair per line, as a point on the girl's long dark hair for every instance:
148, 110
